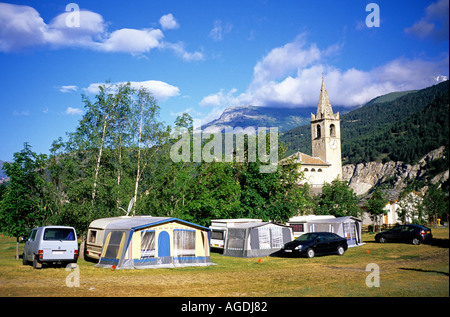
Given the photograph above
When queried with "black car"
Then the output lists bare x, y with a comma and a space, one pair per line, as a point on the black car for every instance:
313, 243
405, 233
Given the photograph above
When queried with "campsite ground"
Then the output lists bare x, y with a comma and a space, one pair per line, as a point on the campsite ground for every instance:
404, 270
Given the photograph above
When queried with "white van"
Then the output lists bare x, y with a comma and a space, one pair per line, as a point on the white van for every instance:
51, 244
219, 230
96, 235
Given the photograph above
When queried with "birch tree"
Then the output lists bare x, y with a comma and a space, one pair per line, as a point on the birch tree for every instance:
98, 128
149, 136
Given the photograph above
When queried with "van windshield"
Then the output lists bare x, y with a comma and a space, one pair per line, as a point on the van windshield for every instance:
64, 234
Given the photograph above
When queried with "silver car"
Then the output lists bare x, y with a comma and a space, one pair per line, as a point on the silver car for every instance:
51, 244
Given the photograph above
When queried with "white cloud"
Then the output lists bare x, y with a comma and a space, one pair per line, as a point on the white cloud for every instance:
23, 27
434, 24
285, 60
219, 30
221, 98
68, 88
133, 41
160, 90
90, 32
290, 76
168, 22
191, 111
73, 111
178, 49
21, 113
20, 26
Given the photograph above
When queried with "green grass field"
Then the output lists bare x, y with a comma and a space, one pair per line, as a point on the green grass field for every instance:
405, 270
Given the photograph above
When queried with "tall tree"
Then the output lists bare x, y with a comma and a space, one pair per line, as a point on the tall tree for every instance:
337, 199
375, 206
435, 203
23, 205
149, 135
102, 127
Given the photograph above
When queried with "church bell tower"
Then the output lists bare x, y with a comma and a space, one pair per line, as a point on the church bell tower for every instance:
326, 135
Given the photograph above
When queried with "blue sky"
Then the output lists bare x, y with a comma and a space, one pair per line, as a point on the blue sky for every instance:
204, 56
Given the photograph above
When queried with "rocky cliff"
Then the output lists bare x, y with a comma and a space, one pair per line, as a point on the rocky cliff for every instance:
395, 175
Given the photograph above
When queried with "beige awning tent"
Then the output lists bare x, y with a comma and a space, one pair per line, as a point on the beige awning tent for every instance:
154, 242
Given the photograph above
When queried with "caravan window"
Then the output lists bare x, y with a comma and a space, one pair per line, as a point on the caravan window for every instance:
217, 235
277, 237
147, 244
264, 238
270, 237
297, 227
92, 238
184, 242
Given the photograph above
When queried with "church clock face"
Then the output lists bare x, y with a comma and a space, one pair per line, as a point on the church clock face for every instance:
333, 143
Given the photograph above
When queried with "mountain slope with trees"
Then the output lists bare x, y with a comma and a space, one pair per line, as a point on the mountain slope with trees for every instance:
372, 132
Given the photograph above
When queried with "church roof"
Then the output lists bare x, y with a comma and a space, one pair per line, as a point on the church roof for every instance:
306, 159
324, 109
324, 106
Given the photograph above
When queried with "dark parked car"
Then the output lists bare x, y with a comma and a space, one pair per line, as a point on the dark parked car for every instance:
405, 233
313, 243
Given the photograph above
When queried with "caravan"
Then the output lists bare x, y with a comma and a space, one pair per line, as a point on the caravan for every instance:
219, 229
96, 235
299, 224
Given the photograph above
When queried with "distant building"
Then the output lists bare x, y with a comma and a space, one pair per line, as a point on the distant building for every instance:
325, 163
409, 204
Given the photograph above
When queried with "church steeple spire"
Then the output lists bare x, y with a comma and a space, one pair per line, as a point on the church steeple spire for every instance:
324, 109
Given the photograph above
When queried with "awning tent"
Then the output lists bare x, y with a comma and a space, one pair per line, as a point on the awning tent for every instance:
256, 239
347, 227
154, 242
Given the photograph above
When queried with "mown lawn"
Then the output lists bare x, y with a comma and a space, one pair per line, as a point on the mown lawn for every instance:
405, 270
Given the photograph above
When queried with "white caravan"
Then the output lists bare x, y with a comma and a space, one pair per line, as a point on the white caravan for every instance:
299, 223
219, 230
96, 235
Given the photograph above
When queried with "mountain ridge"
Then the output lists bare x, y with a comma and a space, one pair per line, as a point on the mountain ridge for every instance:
361, 123
255, 116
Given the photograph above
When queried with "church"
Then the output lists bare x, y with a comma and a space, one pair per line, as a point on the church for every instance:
325, 163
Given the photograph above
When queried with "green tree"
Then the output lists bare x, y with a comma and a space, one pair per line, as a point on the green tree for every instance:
411, 208
214, 193
337, 199
274, 196
23, 205
150, 139
435, 203
375, 206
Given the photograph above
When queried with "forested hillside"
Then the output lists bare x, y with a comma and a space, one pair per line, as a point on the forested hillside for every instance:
404, 129
405, 140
